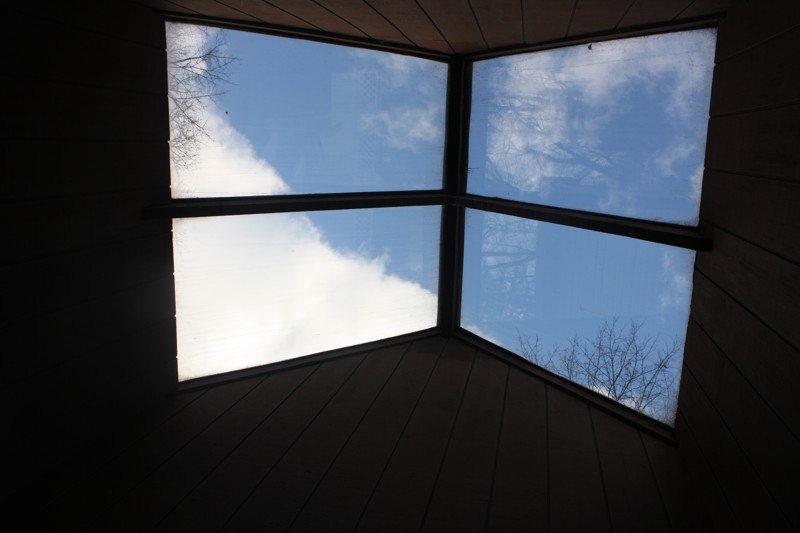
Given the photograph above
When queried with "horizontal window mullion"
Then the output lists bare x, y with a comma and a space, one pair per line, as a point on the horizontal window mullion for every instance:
660, 232
209, 207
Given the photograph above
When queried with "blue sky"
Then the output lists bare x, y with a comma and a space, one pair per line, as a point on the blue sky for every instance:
619, 128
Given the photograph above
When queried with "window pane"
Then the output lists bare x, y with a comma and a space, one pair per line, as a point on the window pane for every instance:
294, 117
617, 127
599, 309
255, 289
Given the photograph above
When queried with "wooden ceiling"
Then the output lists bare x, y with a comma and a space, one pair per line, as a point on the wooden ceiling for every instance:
451, 26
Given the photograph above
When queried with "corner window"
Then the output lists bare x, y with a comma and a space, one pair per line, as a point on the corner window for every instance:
309, 202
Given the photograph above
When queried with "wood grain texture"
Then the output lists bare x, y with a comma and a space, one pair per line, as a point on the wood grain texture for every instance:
751, 500
767, 285
716, 511
210, 8
577, 498
758, 210
764, 359
633, 498
768, 443
341, 496
590, 15
500, 21
268, 13
750, 24
763, 77
701, 8
653, 11
759, 143
546, 20
520, 498
679, 500
401, 497
367, 20
230, 483
133, 466
456, 21
408, 17
318, 16
282, 493
460, 500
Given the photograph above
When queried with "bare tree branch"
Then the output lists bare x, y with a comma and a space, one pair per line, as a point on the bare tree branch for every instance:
198, 67
624, 364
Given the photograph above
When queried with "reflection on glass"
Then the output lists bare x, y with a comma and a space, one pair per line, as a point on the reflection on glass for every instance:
617, 127
294, 117
605, 311
255, 289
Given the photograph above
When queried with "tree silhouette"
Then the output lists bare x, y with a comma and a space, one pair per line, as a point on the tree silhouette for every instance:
198, 67
621, 363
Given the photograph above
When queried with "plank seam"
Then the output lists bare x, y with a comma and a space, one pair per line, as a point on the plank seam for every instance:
571, 18
497, 451
301, 19
359, 30
349, 437
743, 174
770, 251
237, 446
449, 441
392, 24
743, 376
746, 308
600, 468
739, 447
625, 14
755, 109
125, 493
703, 457
478, 24
774, 177
438, 29
547, 453
655, 482
755, 45
294, 441
400, 437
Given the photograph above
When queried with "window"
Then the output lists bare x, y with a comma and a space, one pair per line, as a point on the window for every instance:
297, 119
311, 209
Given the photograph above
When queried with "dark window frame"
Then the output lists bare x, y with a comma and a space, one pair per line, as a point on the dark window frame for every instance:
452, 196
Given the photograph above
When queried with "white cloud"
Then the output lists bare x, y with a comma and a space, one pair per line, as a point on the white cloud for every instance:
263, 288
226, 165
548, 112
676, 272
406, 128
411, 91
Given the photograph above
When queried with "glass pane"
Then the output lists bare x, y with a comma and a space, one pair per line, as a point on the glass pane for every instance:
605, 311
255, 289
263, 115
615, 127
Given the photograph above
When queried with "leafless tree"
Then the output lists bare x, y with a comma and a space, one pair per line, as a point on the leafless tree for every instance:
198, 70
622, 363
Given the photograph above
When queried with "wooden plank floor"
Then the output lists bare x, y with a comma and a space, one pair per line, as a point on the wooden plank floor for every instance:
433, 435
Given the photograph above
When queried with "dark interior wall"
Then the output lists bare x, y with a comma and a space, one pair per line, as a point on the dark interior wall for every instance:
88, 329
739, 416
